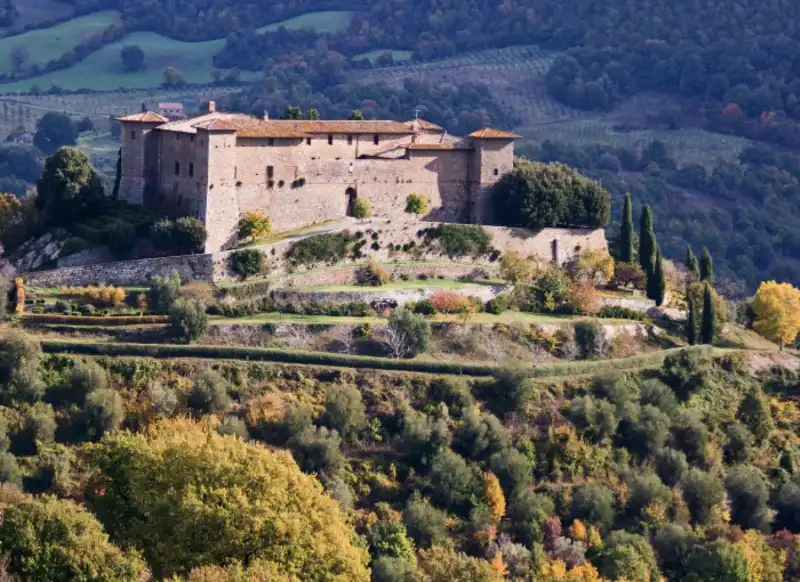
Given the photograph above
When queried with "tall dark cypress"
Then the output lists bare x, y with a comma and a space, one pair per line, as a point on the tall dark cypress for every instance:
656, 284
692, 264
626, 251
708, 328
706, 267
691, 320
647, 240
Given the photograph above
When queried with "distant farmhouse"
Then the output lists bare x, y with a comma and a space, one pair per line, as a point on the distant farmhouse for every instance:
220, 165
172, 111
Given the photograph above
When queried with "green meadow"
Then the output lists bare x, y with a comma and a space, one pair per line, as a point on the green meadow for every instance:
102, 70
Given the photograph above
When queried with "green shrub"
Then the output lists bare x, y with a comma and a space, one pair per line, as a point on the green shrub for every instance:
161, 234
671, 466
453, 480
628, 556
189, 235
702, 492
738, 444
590, 338
513, 469
104, 412
617, 312
188, 320
344, 411
749, 496
425, 307
209, 394
479, 435
416, 204
408, 334
38, 427
164, 291
329, 248
426, 525
10, 471
390, 539
511, 391
498, 305
247, 263
75, 244
20, 355
593, 504
595, 418
318, 450
527, 513
461, 240
86, 377
121, 238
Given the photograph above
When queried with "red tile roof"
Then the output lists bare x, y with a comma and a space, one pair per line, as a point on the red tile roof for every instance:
146, 117
437, 146
350, 127
489, 133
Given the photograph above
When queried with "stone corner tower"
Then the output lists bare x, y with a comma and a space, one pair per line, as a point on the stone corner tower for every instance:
491, 157
139, 164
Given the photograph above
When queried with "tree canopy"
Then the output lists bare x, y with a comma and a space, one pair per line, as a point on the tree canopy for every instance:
69, 187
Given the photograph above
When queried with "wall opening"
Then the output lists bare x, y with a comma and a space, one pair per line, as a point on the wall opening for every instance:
270, 172
349, 140
554, 250
177, 168
351, 196
330, 140
191, 169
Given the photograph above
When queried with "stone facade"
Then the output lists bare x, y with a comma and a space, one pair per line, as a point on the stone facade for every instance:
218, 166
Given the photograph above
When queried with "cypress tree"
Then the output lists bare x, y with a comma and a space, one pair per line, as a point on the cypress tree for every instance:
656, 284
626, 232
691, 263
708, 328
647, 240
691, 320
706, 267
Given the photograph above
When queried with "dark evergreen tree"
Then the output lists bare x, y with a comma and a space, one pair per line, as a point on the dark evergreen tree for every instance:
656, 284
692, 327
708, 329
626, 235
691, 263
647, 240
706, 267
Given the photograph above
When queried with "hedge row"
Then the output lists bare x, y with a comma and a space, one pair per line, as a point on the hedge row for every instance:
348, 361
96, 320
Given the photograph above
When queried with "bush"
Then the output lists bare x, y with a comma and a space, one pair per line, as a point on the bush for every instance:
593, 504
511, 391
38, 426
645, 433
498, 305
453, 480
255, 226
671, 466
104, 412
691, 436
344, 411
617, 312
121, 238
514, 469
10, 471
646, 491
425, 307
591, 339
416, 204
187, 320
528, 512
426, 525
247, 263
329, 248
372, 274
479, 435
748, 495
86, 377
209, 395
186, 235
738, 444
787, 506
461, 240
318, 450
390, 539
515, 268
407, 334
702, 492
627, 556
164, 291
19, 368
449, 301
161, 234
594, 418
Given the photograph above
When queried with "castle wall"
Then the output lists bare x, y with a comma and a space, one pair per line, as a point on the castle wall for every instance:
490, 160
181, 190
221, 210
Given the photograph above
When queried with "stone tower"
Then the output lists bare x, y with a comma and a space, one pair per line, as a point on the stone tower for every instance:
139, 167
492, 157
220, 210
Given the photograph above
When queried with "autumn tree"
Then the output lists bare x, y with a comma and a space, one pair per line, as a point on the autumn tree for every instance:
362, 209
515, 268
169, 493
494, 496
416, 204
777, 309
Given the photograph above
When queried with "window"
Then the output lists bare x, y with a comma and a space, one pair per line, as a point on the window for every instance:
180, 200
308, 141
496, 172
235, 172
133, 135
270, 172
330, 140
349, 140
271, 142
177, 136
191, 169
376, 139
191, 138
177, 168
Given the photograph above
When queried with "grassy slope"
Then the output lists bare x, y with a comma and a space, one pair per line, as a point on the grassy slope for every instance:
396, 286
102, 70
51, 43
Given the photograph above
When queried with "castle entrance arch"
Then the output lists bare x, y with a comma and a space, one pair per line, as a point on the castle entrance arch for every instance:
350, 197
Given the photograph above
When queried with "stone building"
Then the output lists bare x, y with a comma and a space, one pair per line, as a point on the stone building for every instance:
220, 165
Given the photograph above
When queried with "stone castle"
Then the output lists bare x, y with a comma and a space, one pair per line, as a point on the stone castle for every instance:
220, 165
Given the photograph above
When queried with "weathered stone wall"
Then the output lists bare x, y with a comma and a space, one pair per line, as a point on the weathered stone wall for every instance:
181, 174
382, 296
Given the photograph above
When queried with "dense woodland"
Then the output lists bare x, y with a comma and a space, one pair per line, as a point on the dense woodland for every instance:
745, 213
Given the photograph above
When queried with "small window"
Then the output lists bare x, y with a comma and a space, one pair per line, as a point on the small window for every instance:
180, 200
191, 138
308, 141
270, 171
235, 172
271, 142
191, 169
496, 172
177, 168
133, 135
330, 140
349, 140
376, 140
177, 136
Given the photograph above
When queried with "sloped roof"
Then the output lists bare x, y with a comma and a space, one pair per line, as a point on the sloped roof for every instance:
438, 146
425, 125
349, 127
489, 133
145, 117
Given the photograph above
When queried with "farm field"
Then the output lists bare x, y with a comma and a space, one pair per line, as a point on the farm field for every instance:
397, 55
51, 43
33, 12
102, 70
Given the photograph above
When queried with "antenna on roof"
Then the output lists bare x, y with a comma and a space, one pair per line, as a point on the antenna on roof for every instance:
417, 110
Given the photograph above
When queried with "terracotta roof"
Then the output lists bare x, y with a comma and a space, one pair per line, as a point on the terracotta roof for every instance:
425, 125
350, 127
489, 133
270, 129
170, 105
437, 146
146, 117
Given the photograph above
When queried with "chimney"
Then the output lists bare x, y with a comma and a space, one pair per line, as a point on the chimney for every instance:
266, 115
212, 106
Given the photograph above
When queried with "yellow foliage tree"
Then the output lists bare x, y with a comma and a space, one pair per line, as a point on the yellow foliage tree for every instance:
212, 499
258, 571
556, 571
777, 309
765, 564
494, 496
595, 265
20, 305
444, 565
577, 531
254, 225
498, 564
593, 538
515, 268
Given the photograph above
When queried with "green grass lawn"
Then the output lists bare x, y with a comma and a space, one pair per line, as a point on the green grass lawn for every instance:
262, 318
102, 70
397, 286
397, 55
51, 43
